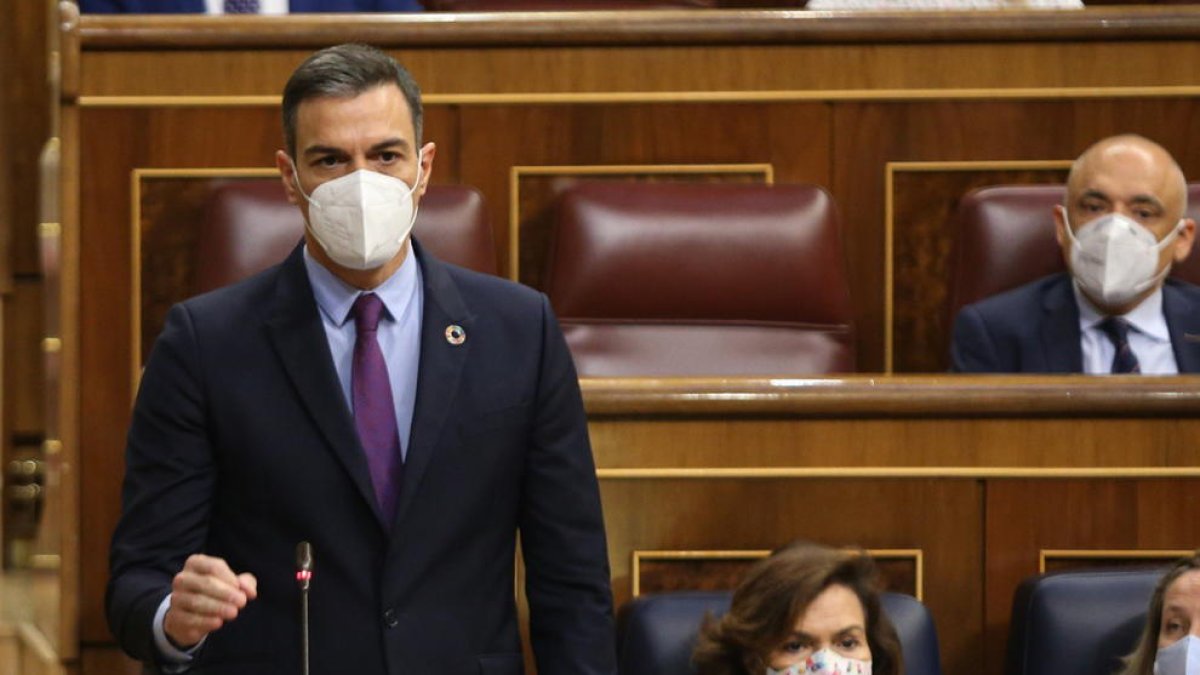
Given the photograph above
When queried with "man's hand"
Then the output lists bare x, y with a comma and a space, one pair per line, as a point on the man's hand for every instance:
205, 595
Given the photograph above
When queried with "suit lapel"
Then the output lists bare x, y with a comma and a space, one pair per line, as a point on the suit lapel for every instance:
1060, 328
294, 326
1183, 323
439, 372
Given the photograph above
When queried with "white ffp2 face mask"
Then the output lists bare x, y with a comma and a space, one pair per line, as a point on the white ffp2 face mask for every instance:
1181, 658
362, 219
1114, 258
826, 662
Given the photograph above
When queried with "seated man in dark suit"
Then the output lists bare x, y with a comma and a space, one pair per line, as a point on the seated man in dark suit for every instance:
1121, 229
404, 416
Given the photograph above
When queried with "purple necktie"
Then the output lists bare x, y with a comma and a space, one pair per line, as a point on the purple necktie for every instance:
374, 412
241, 6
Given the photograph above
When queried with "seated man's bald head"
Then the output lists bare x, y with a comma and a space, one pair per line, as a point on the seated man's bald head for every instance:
1132, 156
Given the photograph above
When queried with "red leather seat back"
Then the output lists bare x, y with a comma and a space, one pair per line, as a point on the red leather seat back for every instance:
695, 279
1004, 237
251, 226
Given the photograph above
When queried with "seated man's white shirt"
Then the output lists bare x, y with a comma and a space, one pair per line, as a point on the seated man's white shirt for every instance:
1149, 338
264, 6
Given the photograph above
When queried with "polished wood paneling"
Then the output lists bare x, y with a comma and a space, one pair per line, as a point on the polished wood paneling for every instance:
707, 570
1023, 518
23, 376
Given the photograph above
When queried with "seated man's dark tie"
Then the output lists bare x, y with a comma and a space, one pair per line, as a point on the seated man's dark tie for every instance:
374, 410
1117, 330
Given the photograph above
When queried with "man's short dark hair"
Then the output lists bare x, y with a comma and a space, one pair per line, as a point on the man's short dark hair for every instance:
345, 71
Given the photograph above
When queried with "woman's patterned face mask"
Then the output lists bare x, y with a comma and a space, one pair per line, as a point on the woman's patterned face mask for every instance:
825, 662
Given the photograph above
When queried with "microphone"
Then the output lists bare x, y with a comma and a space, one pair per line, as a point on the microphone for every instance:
304, 572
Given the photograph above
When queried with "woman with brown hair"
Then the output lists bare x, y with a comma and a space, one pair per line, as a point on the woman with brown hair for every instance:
805, 609
1170, 643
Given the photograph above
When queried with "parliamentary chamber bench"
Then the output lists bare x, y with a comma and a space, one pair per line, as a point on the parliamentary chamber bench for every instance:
961, 486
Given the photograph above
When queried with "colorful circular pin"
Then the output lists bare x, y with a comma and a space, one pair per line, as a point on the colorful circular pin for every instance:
455, 335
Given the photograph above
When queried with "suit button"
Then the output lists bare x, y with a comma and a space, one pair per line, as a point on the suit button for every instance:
390, 619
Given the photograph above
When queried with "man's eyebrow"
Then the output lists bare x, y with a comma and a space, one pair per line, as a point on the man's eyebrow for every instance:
1094, 194
1147, 199
322, 150
390, 143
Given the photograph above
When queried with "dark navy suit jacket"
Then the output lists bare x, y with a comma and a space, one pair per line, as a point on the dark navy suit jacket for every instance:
197, 6
1035, 329
242, 445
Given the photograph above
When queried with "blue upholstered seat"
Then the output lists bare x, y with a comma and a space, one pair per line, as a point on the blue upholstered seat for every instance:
1079, 622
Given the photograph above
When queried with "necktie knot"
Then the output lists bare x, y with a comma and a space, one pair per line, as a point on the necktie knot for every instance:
1117, 330
368, 308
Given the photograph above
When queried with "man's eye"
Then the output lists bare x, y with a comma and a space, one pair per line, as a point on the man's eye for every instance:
389, 157
327, 162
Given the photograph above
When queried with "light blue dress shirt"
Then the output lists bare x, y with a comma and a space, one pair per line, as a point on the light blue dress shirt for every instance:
1149, 338
399, 336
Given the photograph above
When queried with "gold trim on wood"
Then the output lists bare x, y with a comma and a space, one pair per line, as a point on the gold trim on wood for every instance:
890, 169
49, 230
516, 172
51, 345
135, 240
51, 447
1165, 554
638, 555
606, 97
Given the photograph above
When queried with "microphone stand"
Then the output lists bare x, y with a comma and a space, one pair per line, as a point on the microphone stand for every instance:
304, 565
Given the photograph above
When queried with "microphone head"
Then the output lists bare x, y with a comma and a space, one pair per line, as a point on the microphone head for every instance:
304, 557
304, 565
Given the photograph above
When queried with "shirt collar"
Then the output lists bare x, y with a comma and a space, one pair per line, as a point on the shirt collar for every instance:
336, 297
1147, 318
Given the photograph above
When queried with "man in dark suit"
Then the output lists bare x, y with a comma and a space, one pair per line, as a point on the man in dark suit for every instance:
405, 416
201, 6
1120, 230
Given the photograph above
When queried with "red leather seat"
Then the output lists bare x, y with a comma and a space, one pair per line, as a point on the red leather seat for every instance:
251, 226
654, 279
1004, 237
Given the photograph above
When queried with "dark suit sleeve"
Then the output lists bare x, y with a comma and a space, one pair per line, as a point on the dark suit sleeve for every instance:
562, 528
169, 478
972, 349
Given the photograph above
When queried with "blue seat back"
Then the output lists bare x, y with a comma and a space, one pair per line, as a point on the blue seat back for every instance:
1079, 622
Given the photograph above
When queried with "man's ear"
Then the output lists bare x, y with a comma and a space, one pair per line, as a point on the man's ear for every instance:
1184, 240
1060, 226
428, 151
287, 174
